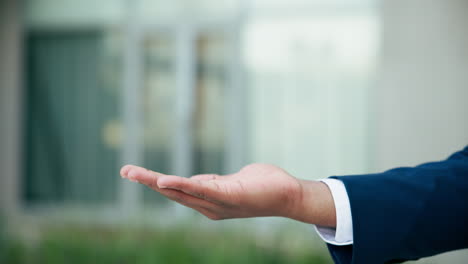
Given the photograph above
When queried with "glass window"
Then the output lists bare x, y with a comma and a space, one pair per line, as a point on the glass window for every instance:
210, 103
158, 105
71, 153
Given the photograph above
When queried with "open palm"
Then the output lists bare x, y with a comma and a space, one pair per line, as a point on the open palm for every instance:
256, 190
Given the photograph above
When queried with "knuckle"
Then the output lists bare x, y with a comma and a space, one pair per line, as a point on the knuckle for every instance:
153, 184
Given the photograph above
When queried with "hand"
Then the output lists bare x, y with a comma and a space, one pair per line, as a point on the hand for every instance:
256, 190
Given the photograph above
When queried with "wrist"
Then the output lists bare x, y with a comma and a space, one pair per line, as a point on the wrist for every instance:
314, 204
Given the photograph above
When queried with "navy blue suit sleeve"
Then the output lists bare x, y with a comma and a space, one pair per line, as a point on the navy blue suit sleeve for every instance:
407, 213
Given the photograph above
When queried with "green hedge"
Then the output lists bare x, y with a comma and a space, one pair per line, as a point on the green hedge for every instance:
116, 246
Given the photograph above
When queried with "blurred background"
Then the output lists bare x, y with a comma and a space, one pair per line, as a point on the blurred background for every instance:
318, 87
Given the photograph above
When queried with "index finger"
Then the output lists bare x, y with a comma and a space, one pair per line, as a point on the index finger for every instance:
141, 175
207, 190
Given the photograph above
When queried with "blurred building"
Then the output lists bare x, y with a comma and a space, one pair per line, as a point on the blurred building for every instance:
189, 87
184, 87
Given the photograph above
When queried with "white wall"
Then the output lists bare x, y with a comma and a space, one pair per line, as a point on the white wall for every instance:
309, 79
422, 101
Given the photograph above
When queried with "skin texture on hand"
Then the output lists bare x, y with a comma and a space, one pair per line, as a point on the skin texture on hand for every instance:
256, 190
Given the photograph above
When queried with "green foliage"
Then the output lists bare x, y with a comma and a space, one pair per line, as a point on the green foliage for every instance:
113, 246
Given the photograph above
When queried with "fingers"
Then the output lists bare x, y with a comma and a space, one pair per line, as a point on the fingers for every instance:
205, 177
206, 208
200, 192
207, 190
141, 175
188, 200
211, 215
201, 187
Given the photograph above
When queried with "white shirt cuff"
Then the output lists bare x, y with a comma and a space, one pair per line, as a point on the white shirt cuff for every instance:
343, 234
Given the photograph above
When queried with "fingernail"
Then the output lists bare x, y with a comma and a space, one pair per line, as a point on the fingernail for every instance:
161, 185
131, 176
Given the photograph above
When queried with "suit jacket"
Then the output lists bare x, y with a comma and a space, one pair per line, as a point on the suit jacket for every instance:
407, 213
